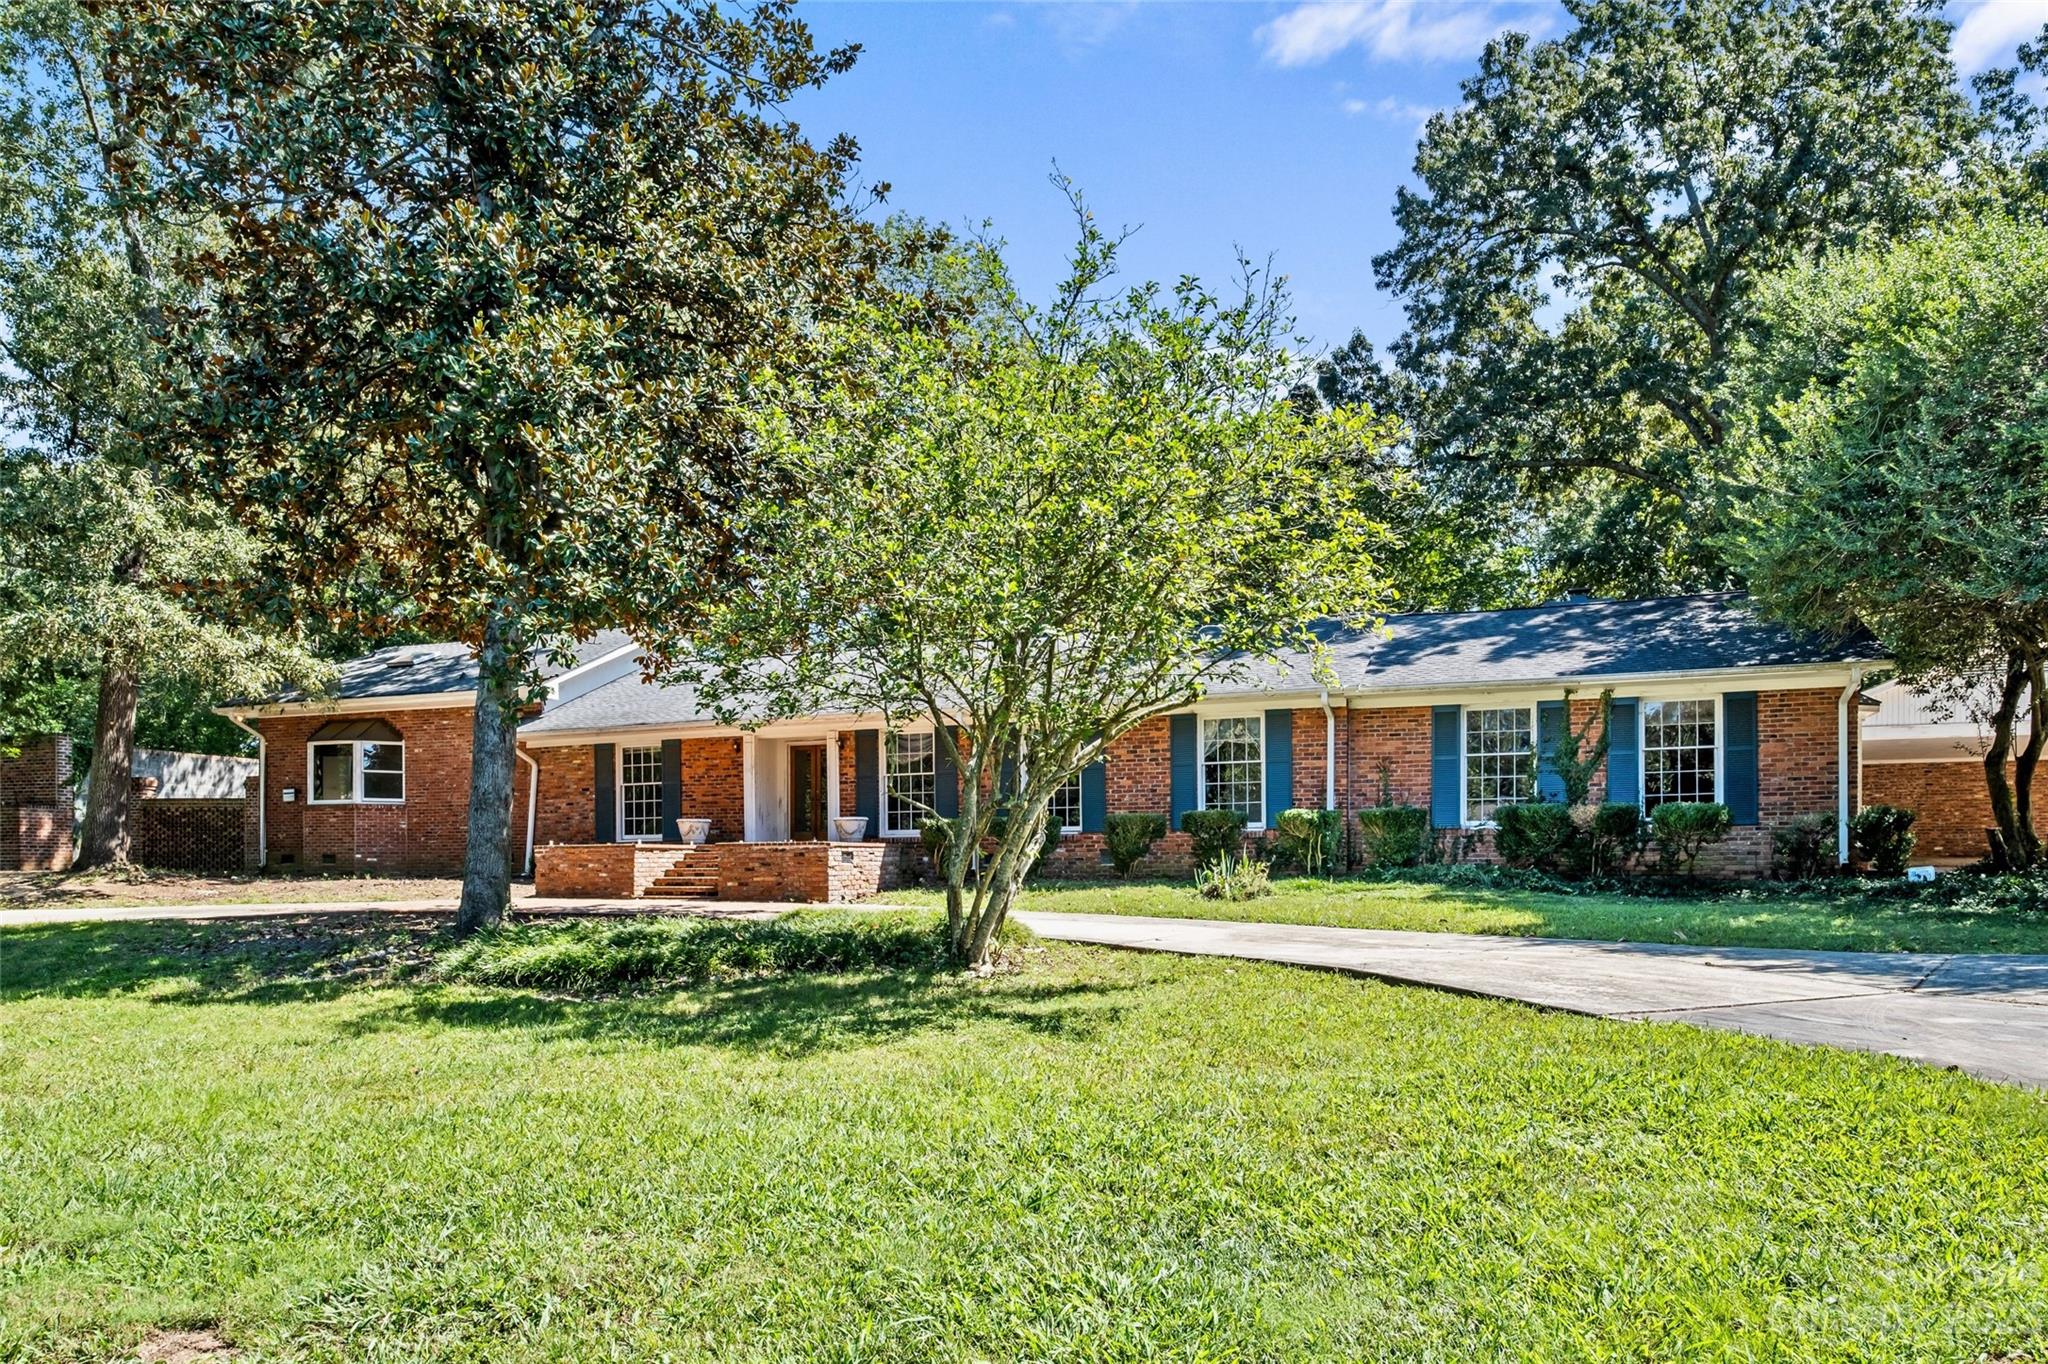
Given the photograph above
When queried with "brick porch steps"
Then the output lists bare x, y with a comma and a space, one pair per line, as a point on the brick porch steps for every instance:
693, 876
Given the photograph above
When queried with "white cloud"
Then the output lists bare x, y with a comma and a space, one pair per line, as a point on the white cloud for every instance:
1991, 30
1355, 106
1397, 30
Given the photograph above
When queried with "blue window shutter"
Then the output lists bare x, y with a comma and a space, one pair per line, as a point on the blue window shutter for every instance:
946, 779
1445, 801
867, 778
1181, 733
1624, 758
671, 789
1279, 737
1549, 726
1094, 797
607, 794
1738, 752
1006, 780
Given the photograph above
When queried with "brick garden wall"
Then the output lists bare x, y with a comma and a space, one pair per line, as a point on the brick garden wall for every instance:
36, 805
187, 835
1952, 801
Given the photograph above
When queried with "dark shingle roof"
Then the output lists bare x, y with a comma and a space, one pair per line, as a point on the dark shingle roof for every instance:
1590, 639
431, 669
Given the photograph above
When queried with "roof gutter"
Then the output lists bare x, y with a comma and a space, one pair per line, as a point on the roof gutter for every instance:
1329, 753
1842, 766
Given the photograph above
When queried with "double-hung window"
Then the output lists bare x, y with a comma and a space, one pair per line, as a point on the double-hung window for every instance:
1234, 767
911, 782
1500, 760
639, 794
1681, 752
1065, 810
355, 762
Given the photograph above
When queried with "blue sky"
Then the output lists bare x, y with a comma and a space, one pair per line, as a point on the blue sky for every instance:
1283, 129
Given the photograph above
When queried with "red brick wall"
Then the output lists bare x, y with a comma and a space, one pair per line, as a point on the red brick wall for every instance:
714, 786
187, 835
712, 789
1952, 801
36, 812
427, 834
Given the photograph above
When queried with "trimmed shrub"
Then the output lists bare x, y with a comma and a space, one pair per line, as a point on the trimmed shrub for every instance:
1393, 835
1234, 878
1537, 834
1683, 828
1127, 838
1215, 833
1804, 847
1615, 834
1309, 839
1882, 837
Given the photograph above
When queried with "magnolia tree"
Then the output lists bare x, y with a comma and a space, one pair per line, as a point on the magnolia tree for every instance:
482, 317
1899, 426
1037, 527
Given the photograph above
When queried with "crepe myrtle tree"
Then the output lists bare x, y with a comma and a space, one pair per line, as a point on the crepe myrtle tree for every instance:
489, 295
1897, 425
1039, 527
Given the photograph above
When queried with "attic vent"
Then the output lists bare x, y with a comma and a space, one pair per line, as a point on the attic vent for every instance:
400, 661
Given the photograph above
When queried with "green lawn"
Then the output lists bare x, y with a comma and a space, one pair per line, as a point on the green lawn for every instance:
254, 1127
1841, 921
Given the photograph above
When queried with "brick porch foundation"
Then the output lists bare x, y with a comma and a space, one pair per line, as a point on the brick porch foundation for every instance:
802, 873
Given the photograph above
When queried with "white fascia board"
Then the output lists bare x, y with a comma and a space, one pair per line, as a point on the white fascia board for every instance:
585, 677
1662, 685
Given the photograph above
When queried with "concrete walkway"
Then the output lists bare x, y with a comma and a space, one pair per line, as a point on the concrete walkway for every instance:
1984, 1014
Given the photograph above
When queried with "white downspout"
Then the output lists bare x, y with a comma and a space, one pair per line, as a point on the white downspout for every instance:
1842, 766
262, 787
1329, 753
532, 800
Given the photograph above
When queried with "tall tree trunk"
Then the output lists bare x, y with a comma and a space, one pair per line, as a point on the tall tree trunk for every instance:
105, 840
2008, 847
494, 739
2028, 762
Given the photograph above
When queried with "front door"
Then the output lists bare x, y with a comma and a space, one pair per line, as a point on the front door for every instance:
806, 791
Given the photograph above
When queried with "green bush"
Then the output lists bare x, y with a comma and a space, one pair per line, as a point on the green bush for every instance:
1683, 828
1615, 833
1393, 835
1215, 833
1127, 838
1804, 847
1882, 838
1309, 839
1234, 878
613, 954
1537, 834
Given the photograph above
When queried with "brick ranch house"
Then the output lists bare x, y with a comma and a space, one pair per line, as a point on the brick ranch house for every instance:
1450, 711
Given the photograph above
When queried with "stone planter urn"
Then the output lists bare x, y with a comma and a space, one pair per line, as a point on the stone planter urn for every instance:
850, 828
693, 830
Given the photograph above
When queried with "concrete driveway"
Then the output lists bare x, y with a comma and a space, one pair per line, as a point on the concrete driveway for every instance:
1984, 1014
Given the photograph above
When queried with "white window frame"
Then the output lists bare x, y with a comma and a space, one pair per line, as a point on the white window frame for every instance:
619, 793
1465, 761
355, 771
882, 805
1643, 705
1203, 719
1080, 803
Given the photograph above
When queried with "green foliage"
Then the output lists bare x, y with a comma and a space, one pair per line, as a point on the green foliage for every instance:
1039, 526
602, 955
1575, 755
1584, 244
1128, 837
1216, 834
1535, 834
1312, 840
1683, 829
1393, 835
1615, 832
1895, 427
1882, 837
1804, 846
1234, 879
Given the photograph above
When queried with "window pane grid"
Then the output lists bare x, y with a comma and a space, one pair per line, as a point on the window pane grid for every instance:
1065, 810
1233, 767
1678, 752
1500, 761
640, 792
913, 781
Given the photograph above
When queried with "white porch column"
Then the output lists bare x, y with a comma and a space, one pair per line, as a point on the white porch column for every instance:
831, 784
750, 815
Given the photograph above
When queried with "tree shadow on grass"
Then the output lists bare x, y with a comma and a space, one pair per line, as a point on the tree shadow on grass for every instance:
296, 959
